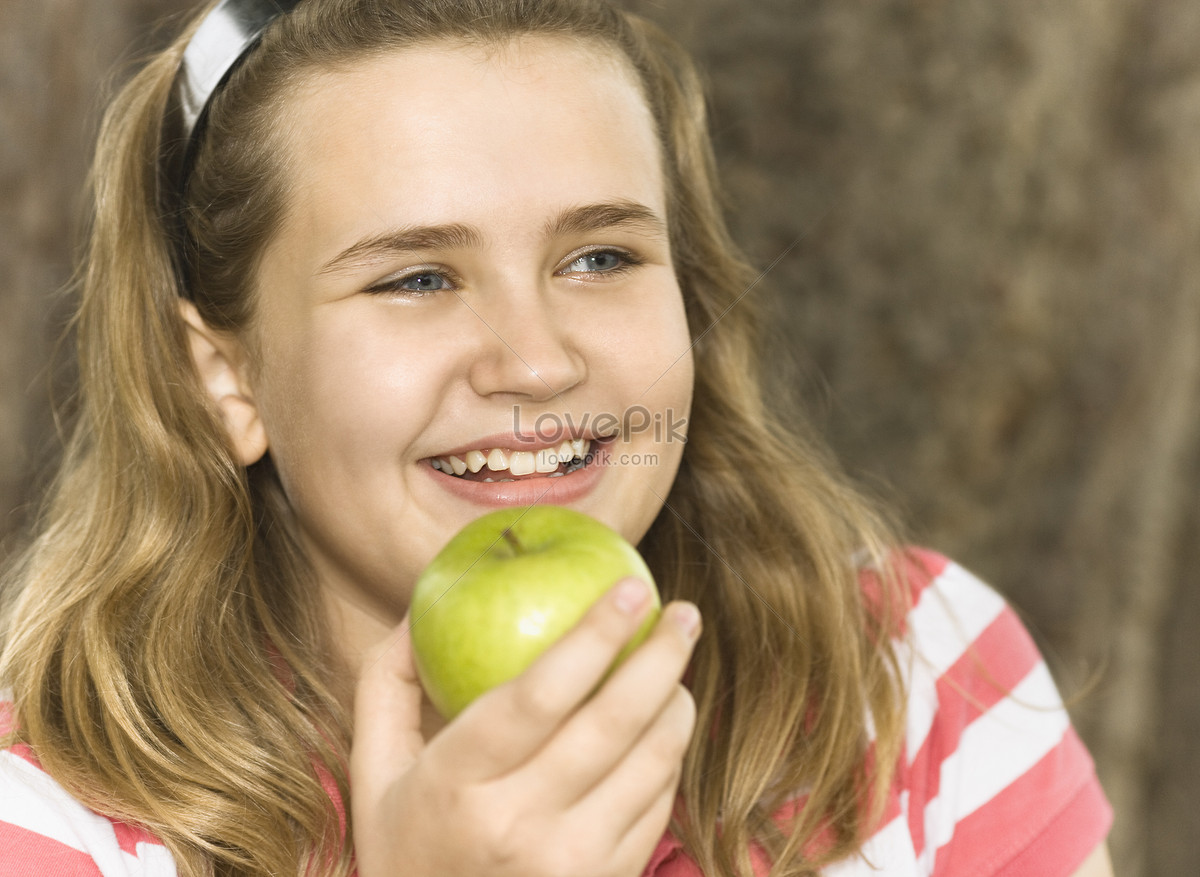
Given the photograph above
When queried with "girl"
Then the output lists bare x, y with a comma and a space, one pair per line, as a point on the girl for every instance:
360, 271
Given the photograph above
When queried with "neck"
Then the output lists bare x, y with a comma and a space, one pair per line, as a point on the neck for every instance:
358, 633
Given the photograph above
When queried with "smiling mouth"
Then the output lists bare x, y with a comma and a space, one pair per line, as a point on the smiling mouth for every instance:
490, 465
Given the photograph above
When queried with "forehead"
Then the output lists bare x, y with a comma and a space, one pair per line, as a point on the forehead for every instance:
526, 114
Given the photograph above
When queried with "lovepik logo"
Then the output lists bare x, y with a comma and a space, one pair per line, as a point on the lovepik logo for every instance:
550, 426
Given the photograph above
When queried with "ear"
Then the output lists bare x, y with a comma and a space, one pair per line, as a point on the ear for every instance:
222, 364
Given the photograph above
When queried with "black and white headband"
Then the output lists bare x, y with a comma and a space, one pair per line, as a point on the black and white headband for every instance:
223, 38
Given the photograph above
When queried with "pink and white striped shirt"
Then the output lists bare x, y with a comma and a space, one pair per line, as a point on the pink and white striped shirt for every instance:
994, 781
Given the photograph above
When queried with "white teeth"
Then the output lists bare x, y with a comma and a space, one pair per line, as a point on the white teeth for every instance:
520, 463
545, 461
489, 481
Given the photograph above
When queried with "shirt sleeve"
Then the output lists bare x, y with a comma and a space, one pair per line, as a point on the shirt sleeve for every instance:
44, 832
998, 782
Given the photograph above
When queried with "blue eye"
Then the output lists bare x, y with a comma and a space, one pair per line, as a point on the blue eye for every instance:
425, 282
418, 284
601, 262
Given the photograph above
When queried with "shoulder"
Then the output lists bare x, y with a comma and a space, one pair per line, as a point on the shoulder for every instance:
43, 830
967, 655
993, 775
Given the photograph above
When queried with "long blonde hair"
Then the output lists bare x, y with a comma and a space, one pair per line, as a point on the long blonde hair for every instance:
168, 657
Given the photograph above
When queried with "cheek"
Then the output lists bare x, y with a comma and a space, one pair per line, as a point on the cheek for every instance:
664, 344
647, 322
341, 402
673, 389
659, 369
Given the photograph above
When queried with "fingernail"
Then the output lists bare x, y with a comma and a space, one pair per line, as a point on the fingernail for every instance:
631, 595
686, 617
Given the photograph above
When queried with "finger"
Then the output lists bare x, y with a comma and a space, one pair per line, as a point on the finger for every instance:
620, 800
619, 714
503, 728
387, 713
633, 849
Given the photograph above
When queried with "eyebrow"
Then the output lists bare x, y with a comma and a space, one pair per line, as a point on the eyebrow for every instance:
406, 239
609, 214
574, 220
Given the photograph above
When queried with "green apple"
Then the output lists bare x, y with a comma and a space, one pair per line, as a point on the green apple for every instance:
504, 588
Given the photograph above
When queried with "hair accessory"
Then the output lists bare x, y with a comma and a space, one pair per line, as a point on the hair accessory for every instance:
221, 40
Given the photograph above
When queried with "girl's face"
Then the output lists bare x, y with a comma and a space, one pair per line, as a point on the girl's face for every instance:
474, 264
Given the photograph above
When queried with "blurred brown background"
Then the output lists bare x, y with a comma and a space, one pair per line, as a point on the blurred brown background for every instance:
992, 304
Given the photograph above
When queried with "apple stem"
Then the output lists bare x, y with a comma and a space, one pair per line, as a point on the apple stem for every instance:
511, 538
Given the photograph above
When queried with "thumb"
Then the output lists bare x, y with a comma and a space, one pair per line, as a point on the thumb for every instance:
387, 713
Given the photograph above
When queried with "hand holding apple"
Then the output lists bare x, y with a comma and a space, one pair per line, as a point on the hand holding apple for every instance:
504, 588
570, 768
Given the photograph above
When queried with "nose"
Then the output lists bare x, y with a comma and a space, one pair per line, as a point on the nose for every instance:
527, 347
